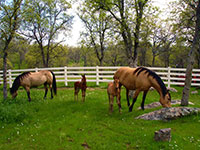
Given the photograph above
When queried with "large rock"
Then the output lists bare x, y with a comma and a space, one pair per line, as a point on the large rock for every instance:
157, 104
169, 113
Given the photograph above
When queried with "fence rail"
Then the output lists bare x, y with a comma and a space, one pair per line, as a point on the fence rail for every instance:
170, 76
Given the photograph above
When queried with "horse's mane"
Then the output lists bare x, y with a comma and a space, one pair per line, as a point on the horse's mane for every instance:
16, 82
155, 76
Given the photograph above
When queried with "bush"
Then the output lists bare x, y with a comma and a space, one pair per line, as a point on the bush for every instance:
11, 112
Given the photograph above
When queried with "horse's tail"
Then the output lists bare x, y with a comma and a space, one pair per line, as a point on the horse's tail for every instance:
54, 83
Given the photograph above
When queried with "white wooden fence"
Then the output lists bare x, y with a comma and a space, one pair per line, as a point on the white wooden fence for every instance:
170, 76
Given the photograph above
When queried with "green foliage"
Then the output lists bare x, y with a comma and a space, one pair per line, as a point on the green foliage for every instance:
10, 65
43, 22
12, 112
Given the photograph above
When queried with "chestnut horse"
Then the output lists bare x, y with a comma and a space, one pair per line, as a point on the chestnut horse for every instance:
80, 85
114, 90
141, 79
34, 79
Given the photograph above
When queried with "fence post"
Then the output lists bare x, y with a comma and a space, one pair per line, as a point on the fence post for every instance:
10, 77
36, 69
97, 75
65, 69
168, 76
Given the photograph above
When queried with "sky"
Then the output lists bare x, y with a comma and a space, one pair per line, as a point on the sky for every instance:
73, 38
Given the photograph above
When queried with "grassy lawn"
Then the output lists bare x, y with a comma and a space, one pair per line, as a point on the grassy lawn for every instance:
62, 124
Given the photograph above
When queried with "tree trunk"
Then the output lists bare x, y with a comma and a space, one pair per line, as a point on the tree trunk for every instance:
153, 61
195, 45
5, 75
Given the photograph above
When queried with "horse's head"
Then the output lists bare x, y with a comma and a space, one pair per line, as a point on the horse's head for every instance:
166, 100
83, 77
116, 83
13, 93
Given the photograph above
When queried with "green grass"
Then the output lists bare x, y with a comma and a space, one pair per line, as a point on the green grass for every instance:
61, 123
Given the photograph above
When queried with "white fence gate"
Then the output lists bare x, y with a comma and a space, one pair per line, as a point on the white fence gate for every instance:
170, 76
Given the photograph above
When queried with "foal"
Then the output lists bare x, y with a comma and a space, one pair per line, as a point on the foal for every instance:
80, 85
114, 90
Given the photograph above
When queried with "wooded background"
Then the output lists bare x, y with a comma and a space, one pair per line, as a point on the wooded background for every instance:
110, 36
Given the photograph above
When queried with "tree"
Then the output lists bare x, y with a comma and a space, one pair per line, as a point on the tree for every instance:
9, 23
18, 49
195, 46
97, 23
114, 54
183, 17
122, 12
43, 21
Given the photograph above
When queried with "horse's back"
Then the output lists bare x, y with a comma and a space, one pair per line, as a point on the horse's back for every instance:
37, 78
126, 77
131, 80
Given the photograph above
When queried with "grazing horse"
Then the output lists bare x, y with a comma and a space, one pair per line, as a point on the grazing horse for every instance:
114, 90
34, 79
141, 79
80, 85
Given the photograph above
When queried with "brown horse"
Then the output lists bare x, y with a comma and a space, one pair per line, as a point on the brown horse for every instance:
34, 79
80, 85
114, 90
141, 79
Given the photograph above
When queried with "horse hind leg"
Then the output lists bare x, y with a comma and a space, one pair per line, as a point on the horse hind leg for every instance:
83, 95
119, 102
134, 99
46, 90
111, 99
76, 90
51, 89
143, 99
127, 97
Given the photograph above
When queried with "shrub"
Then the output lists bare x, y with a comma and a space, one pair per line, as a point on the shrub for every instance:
11, 112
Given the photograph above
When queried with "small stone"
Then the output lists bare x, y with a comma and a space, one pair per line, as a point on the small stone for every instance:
172, 90
194, 92
163, 135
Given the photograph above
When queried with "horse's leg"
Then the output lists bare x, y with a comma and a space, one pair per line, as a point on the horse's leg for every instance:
51, 89
76, 91
127, 97
119, 102
111, 99
83, 94
134, 99
46, 90
28, 93
109, 103
143, 99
